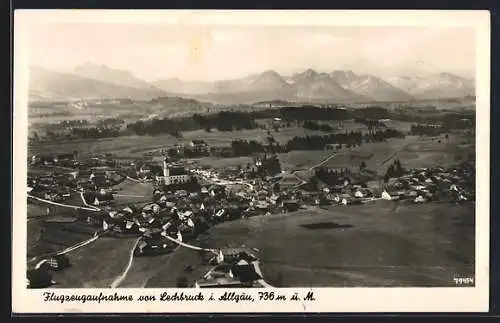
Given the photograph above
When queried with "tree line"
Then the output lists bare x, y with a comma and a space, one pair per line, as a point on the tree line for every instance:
350, 139
315, 126
222, 121
394, 170
332, 177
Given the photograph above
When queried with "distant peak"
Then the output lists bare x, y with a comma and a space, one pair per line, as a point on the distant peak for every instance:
270, 72
91, 65
347, 72
339, 74
309, 72
447, 75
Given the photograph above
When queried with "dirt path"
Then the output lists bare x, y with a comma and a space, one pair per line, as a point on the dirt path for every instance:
322, 162
122, 277
66, 250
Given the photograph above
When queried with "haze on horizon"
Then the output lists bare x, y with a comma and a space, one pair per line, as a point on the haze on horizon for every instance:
197, 53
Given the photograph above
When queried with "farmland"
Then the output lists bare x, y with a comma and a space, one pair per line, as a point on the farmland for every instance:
133, 145
380, 243
385, 244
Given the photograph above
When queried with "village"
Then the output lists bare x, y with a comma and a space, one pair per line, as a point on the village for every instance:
187, 199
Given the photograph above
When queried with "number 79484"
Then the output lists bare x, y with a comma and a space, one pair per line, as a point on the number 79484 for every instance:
463, 280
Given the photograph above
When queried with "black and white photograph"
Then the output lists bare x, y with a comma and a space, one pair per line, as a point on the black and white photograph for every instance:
256, 152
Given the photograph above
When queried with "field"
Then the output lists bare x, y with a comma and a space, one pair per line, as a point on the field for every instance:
386, 244
43, 239
380, 244
412, 151
138, 145
130, 192
371, 245
96, 265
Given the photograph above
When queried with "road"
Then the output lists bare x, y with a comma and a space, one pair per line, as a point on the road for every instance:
64, 205
322, 162
226, 182
302, 180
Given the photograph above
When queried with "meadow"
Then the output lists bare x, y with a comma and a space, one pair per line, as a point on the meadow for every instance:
382, 244
134, 145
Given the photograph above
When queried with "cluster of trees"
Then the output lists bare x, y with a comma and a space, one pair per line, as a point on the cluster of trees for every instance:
160, 126
427, 130
229, 121
371, 124
246, 147
66, 125
351, 139
225, 121
371, 113
222, 121
73, 123
110, 122
79, 133
332, 176
312, 125
382, 135
95, 132
269, 166
394, 170
313, 113
318, 142
310, 112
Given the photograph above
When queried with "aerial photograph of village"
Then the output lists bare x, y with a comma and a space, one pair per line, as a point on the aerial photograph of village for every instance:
168, 156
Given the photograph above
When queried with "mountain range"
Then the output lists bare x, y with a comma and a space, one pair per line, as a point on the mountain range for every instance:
93, 81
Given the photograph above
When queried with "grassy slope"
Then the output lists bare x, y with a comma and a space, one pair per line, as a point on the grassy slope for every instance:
387, 245
96, 265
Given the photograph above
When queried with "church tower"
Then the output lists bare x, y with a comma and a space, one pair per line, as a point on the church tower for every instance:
166, 171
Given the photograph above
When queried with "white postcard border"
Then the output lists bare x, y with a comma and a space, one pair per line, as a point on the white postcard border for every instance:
470, 299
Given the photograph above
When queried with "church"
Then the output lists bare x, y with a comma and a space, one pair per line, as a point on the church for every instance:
173, 174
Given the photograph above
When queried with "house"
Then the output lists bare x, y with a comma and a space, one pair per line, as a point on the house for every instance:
63, 157
100, 180
220, 271
219, 283
199, 146
103, 199
358, 194
97, 173
42, 159
234, 255
290, 205
245, 272
420, 199
144, 170
58, 262
389, 195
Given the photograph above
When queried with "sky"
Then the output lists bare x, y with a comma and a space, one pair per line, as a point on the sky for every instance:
205, 53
